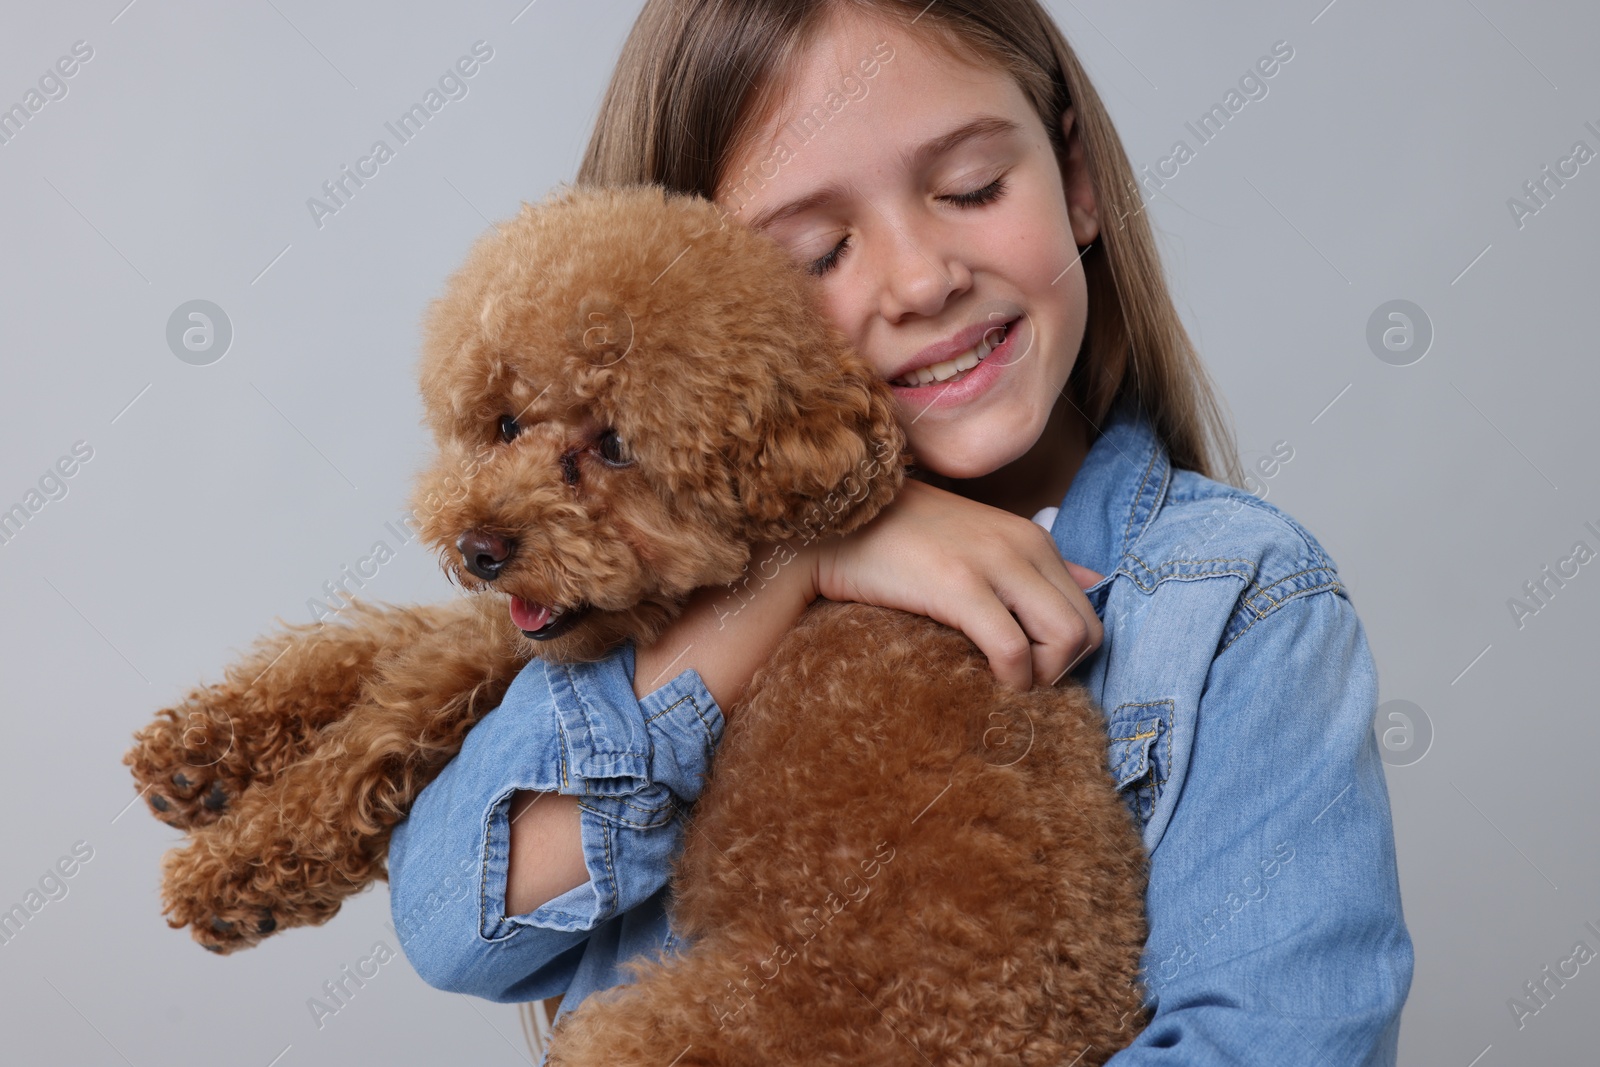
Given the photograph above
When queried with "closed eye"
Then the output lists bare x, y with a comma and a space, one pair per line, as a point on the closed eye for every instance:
976, 198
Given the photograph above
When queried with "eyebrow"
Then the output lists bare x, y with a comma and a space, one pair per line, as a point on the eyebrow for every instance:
911, 159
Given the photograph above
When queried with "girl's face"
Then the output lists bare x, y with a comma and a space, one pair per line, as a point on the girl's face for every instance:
930, 204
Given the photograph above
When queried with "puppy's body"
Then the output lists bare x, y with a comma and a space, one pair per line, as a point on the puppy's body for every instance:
895, 860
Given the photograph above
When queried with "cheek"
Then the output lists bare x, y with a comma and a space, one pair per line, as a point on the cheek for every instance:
1033, 247
844, 310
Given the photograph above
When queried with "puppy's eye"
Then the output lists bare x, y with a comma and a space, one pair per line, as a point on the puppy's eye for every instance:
610, 448
508, 428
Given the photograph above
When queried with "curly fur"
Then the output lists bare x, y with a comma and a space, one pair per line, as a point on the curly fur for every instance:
895, 859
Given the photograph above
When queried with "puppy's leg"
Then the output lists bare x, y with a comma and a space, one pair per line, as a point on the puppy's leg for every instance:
196, 758
296, 845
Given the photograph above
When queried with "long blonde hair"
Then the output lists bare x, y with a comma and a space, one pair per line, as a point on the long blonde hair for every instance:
695, 77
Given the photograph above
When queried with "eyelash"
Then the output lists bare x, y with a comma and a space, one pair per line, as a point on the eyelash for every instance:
977, 198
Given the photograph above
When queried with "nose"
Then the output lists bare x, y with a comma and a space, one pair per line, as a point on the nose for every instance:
918, 271
484, 553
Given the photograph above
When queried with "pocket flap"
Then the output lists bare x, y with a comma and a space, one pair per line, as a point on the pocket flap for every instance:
1131, 741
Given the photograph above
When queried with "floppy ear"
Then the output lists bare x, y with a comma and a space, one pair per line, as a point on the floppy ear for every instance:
826, 467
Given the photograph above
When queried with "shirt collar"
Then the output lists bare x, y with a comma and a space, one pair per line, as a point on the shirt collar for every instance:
1113, 497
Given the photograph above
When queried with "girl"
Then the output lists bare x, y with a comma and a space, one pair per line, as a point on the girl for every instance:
951, 177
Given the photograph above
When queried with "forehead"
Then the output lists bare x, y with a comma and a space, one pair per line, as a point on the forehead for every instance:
865, 93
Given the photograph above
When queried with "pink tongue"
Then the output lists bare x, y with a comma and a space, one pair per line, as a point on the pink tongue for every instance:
528, 615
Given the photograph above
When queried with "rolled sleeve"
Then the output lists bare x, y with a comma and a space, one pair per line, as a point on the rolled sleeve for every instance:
1276, 929
575, 729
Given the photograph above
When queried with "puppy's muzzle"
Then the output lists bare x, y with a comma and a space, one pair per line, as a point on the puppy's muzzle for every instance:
485, 554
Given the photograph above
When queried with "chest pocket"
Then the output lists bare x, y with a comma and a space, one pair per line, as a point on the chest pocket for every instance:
1141, 753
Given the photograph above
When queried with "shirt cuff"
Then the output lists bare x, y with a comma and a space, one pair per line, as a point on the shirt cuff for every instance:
635, 765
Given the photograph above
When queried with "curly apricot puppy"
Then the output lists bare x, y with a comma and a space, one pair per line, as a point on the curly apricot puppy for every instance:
642, 393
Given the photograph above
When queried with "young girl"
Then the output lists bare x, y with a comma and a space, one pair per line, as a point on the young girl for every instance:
948, 173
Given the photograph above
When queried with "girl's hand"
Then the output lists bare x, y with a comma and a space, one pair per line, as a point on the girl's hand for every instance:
995, 576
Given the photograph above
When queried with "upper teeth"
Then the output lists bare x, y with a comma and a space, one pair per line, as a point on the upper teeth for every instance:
939, 372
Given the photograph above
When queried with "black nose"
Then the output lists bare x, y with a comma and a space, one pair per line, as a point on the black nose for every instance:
485, 554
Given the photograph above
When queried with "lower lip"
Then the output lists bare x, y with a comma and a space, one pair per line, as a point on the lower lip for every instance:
976, 383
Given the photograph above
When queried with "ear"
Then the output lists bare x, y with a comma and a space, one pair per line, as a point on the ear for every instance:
1082, 210
827, 468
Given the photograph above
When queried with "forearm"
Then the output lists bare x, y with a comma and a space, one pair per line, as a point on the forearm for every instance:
546, 856
724, 633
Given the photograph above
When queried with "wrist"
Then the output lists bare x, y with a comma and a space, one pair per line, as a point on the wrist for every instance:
807, 567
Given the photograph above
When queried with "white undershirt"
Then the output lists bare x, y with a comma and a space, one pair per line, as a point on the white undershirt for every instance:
1046, 517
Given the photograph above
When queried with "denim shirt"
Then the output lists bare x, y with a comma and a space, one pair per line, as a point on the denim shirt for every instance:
1239, 692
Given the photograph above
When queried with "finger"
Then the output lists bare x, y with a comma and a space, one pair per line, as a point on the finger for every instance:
1073, 594
1083, 575
1057, 628
990, 625
1055, 613
1062, 633
1062, 639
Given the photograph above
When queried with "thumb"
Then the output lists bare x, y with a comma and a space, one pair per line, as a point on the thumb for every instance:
1083, 575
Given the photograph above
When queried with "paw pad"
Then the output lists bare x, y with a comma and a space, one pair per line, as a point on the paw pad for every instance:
216, 798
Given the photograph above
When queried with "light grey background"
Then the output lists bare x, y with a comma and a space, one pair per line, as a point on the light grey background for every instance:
219, 497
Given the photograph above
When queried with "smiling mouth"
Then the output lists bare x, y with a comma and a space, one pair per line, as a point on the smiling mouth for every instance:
953, 370
543, 621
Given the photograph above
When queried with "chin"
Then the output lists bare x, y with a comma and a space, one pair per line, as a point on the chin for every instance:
952, 460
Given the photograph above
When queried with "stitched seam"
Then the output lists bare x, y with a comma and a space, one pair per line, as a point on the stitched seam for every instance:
668, 708
1245, 570
705, 723
1170, 711
649, 813
1138, 495
483, 885
1262, 591
1168, 563
588, 725
561, 753
1134, 737
611, 873
1232, 572
1275, 606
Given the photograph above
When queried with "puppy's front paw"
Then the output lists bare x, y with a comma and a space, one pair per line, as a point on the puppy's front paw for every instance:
218, 896
267, 866
190, 763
